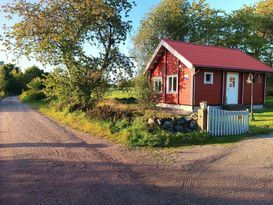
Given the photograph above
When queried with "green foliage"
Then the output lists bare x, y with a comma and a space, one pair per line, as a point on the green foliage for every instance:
140, 135
144, 91
46, 32
32, 96
13, 81
119, 126
116, 93
31, 73
110, 114
249, 28
179, 20
35, 91
2, 94
10, 79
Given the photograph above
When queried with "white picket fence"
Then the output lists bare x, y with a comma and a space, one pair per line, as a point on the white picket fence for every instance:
224, 122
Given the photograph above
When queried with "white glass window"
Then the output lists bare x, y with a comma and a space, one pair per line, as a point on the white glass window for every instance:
172, 84
158, 84
208, 78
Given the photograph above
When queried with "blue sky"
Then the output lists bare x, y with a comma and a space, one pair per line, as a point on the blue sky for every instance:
138, 12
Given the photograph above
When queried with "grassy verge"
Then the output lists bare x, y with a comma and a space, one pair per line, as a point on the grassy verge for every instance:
80, 121
137, 134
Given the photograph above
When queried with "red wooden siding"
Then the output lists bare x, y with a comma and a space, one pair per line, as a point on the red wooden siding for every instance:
159, 71
212, 93
172, 69
258, 97
184, 85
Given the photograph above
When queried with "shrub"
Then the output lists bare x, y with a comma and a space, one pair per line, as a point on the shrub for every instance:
32, 95
108, 113
119, 126
2, 94
130, 100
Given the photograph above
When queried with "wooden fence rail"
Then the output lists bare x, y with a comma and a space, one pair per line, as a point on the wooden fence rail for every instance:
224, 122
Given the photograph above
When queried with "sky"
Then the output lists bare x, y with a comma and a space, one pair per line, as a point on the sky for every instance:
136, 15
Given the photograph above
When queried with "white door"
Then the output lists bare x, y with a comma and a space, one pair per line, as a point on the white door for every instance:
232, 88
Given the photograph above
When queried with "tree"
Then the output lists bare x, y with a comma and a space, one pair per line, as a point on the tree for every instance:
10, 80
249, 28
58, 31
179, 20
31, 73
168, 19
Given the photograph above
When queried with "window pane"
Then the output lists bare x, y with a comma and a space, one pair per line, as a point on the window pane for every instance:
208, 77
160, 85
170, 84
174, 83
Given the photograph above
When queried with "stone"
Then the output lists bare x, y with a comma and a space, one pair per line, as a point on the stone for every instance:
151, 121
163, 120
180, 121
159, 121
194, 116
179, 128
168, 126
187, 118
193, 125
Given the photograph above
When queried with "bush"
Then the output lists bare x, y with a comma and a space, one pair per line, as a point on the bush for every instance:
130, 100
32, 95
119, 126
2, 94
108, 113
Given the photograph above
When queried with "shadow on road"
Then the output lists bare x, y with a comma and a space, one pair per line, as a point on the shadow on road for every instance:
52, 145
75, 182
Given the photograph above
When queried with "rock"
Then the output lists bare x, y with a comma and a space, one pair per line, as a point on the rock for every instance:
163, 120
168, 126
194, 116
151, 121
179, 128
193, 125
159, 121
180, 121
187, 118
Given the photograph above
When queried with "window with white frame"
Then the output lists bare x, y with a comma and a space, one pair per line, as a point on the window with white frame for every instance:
172, 84
208, 78
157, 84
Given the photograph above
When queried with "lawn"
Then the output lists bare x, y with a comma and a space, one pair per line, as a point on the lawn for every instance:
116, 93
263, 122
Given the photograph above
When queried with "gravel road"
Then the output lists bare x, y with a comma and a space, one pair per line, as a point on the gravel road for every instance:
42, 162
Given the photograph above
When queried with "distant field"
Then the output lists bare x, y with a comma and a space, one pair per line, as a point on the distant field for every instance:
116, 93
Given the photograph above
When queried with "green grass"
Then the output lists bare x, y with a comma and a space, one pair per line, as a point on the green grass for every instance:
263, 122
80, 121
115, 93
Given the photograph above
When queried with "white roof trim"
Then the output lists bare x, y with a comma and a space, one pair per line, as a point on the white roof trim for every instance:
173, 51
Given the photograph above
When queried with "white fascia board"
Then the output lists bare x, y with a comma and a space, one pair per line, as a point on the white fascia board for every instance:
153, 56
173, 51
185, 61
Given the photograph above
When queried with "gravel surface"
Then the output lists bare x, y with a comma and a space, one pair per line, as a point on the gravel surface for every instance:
42, 162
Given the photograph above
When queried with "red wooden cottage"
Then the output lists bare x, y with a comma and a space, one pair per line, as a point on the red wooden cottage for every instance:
185, 74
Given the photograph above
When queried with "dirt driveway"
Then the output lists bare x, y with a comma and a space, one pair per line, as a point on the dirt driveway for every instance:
42, 162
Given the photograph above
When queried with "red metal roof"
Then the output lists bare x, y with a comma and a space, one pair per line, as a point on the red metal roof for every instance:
217, 57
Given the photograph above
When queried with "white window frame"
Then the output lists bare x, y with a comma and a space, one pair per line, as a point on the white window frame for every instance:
205, 79
154, 87
172, 91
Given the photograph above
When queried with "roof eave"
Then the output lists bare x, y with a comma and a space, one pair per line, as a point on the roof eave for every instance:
164, 44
